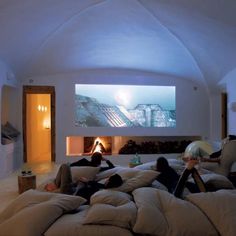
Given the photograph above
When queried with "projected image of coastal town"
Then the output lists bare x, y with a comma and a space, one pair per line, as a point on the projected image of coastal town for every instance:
124, 106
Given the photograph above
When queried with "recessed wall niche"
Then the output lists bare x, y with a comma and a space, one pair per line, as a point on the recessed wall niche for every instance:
9, 106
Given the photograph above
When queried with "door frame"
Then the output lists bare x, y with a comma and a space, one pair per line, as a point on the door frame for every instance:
39, 90
224, 115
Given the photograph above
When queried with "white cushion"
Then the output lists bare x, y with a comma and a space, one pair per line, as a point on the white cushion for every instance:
219, 207
127, 173
33, 212
123, 216
106, 173
72, 224
160, 213
111, 197
136, 179
158, 185
147, 166
215, 181
84, 171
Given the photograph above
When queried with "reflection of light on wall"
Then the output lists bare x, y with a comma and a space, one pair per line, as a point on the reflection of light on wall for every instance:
42, 108
46, 123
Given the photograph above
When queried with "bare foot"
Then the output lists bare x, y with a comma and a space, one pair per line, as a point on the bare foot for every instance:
191, 163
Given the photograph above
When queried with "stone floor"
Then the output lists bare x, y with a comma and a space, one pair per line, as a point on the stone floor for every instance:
9, 185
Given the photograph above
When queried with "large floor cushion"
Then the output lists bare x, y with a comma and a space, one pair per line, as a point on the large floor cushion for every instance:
72, 225
33, 212
160, 213
220, 208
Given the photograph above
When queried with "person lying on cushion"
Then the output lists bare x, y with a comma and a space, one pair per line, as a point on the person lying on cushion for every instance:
63, 181
96, 160
216, 156
87, 188
175, 183
83, 187
198, 186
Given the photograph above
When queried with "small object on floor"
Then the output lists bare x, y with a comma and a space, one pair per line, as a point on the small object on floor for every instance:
26, 182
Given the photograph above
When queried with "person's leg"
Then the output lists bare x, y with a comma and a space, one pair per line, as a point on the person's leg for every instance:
64, 180
181, 183
58, 177
198, 180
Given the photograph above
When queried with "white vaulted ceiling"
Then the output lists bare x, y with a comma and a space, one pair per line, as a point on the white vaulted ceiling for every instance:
192, 39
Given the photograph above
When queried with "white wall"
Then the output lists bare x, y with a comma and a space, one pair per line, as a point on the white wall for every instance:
230, 82
215, 117
10, 154
192, 105
231, 89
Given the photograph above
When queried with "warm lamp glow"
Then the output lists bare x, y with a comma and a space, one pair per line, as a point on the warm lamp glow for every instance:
46, 124
42, 108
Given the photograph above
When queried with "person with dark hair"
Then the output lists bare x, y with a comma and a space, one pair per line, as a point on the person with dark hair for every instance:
88, 188
175, 183
96, 160
168, 175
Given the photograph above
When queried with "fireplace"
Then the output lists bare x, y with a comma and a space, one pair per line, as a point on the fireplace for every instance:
98, 144
118, 145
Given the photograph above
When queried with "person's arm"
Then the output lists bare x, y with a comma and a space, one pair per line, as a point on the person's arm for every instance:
214, 160
215, 154
109, 163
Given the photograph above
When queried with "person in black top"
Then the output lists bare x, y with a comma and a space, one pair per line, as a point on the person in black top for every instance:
96, 160
168, 175
87, 188
83, 187
175, 183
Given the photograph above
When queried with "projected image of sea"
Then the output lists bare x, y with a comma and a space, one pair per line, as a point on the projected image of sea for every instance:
124, 106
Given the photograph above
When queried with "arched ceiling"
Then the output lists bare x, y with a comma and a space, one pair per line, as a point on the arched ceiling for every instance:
191, 39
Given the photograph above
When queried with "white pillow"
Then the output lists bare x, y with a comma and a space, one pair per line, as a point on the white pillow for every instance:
136, 179
33, 212
219, 207
127, 173
111, 197
147, 166
84, 171
123, 216
106, 173
72, 225
161, 213
158, 185
215, 182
